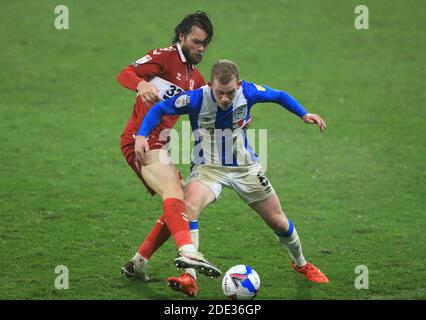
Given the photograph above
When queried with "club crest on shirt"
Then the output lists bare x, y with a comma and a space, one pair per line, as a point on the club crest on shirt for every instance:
240, 112
182, 101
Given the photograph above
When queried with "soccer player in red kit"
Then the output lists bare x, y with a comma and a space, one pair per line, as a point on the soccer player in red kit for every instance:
159, 75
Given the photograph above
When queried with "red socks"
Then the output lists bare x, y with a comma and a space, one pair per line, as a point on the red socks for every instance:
158, 235
174, 222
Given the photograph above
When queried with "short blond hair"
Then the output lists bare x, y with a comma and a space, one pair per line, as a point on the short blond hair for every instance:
224, 71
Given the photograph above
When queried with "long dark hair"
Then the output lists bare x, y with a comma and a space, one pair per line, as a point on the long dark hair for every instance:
199, 19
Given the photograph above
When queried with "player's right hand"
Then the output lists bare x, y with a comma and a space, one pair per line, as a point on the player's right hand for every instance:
315, 119
141, 150
148, 93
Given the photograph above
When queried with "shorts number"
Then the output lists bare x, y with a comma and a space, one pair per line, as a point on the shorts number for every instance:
262, 179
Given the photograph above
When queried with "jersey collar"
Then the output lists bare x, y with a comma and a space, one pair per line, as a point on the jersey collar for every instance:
182, 56
212, 95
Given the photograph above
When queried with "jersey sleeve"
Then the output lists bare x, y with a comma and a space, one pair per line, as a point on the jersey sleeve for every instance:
258, 94
185, 103
146, 68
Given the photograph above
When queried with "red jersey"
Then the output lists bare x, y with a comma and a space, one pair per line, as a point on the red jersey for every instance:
168, 70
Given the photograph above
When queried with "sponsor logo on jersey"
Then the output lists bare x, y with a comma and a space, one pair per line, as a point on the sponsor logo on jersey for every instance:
182, 101
240, 112
142, 60
178, 75
260, 88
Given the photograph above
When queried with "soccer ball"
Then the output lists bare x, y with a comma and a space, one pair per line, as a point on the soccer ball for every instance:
241, 282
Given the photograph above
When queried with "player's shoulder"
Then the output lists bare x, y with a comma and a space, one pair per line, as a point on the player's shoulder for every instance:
197, 94
167, 51
163, 54
158, 55
251, 88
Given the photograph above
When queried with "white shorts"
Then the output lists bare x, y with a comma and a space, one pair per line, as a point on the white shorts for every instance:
249, 182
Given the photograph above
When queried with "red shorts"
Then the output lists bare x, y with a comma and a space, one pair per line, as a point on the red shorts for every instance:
127, 143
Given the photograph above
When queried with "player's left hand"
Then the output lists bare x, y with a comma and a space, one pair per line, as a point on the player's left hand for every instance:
314, 118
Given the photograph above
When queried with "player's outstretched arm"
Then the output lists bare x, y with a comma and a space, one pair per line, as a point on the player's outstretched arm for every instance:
266, 94
315, 119
153, 117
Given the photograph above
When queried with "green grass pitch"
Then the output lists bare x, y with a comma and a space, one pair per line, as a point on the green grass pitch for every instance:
355, 193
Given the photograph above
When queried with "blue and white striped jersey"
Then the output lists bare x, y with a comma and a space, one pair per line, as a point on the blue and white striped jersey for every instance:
220, 135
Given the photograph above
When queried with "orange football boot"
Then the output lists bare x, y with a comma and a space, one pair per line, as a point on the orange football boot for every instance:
311, 272
185, 283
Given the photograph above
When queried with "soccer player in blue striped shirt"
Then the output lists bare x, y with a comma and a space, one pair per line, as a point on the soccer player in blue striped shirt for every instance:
222, 157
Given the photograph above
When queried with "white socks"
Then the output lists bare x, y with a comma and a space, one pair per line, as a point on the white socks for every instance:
139, 261
187, 248
291, 242
195, 236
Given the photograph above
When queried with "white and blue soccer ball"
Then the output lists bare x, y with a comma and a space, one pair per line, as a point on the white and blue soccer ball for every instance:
241, 282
